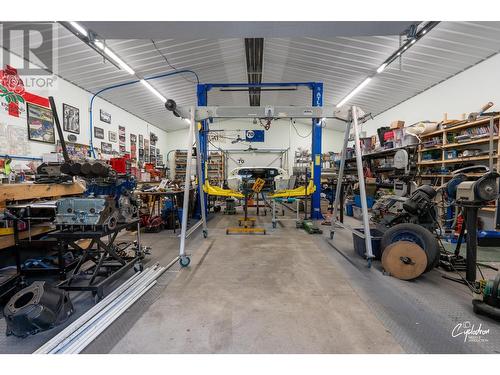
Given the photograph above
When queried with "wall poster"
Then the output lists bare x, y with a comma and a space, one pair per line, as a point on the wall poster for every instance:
40, 124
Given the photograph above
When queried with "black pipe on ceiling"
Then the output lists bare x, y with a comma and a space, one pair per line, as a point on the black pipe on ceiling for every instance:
254, 51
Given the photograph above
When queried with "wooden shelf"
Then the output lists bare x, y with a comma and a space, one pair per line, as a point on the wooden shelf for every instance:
19, 192
459, 127
474, 142
456, 145
455, 161
488, 209
382, 153
448, 175
8, 240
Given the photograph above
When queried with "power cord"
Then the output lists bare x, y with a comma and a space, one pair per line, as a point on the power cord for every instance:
296, 131
173, 67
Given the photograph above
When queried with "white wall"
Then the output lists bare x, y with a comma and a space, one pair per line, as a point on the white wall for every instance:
68, 93
466, 92
281, 135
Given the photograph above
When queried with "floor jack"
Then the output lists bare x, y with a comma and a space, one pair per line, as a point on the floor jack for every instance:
308, 225
246, 223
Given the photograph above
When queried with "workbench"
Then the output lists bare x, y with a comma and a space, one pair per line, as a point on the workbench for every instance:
153, 200
15, 194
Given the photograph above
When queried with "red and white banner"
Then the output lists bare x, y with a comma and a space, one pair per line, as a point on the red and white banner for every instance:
13, 96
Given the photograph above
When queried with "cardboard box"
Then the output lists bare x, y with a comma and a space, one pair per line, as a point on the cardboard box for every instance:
398, 124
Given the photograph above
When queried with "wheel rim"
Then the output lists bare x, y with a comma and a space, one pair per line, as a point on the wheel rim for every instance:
408, 236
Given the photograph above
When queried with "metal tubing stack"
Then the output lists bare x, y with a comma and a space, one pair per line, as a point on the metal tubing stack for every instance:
79, 334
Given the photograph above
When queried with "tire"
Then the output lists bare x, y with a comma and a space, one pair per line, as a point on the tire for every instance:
416, 234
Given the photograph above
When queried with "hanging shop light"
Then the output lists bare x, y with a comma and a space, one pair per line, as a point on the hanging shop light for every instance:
354, 92
79, 28
119, 61
403, 48
153, 90
97, 44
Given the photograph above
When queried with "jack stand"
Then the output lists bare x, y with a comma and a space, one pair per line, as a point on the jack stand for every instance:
230, 208
246, 224
307, 224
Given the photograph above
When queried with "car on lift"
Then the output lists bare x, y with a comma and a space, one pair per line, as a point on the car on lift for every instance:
275, 178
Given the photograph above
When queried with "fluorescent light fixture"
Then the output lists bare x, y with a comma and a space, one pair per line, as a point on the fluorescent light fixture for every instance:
354, 92
413, 41
119, 61
424, 31
99, 44
79, 28
381, 68
153, 90
187, 120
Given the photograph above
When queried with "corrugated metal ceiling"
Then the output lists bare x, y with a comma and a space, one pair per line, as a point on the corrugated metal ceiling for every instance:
340, 62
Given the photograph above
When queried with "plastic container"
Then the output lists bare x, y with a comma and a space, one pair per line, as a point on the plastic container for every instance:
369, 201
348, 208
488, 238
359, 243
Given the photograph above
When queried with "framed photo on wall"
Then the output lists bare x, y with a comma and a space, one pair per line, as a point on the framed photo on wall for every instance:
71, 119
105, 116
112, 136
40, 124
98, 132
106, 148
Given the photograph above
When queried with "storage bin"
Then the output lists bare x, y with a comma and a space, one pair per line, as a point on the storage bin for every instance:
369, 201
359, 243
348, 208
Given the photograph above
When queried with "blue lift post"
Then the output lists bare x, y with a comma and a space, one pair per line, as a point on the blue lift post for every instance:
317, 101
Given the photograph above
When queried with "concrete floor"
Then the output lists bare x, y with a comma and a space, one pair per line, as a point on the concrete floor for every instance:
285, 292
278, 293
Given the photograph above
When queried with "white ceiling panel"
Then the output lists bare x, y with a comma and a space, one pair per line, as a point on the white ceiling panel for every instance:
340, 62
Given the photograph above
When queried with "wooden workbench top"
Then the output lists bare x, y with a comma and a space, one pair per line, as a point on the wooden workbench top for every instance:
23, 192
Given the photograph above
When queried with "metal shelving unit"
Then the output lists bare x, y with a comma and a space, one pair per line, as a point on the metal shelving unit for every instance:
180, 164
439, 170
216, 168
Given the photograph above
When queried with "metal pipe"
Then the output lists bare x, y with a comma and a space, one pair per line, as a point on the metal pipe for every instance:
341, 172
108, 317
201, 193
110, 299
91, 143
97, 332
49, 345
20, 157
82, 331
93, 330
193, 228
362, 188
70, 335
187, 183
82, 345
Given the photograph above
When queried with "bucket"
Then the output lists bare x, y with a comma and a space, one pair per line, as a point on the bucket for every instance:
359, 242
